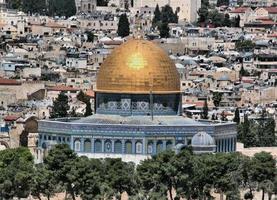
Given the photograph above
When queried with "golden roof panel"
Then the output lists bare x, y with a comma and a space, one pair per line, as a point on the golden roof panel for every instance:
138, 66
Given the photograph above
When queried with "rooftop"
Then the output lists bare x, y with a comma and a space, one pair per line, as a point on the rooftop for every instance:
139, 120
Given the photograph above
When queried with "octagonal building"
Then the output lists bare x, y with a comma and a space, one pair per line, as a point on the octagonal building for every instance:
137, 110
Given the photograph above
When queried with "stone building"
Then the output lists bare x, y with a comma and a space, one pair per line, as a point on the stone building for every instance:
187, 8
86, 6
137, 111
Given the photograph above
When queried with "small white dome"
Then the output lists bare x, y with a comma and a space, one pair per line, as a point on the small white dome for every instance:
202, 139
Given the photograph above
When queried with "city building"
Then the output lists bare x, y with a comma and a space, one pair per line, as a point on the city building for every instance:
138, 111
187, 8
85, 6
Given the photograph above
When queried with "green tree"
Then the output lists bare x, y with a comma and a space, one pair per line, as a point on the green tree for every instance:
123, 26
167, 171
217, 97
245, 45
164, 30
102, 2
86, 99
266, 131
186, 179
65, 8
149, 181
237, 116
81, 96
14, 4
16, 170
263, 170
157, 16
243, 72
246, 133
60, 106
216, 18
119, 176
237, 21
43, 183
240, 3
227, 21
222, 3
60, 160
203, 11
87, 176
168, 16
34, 6
88, 109
205, 114
225, 178
90, 36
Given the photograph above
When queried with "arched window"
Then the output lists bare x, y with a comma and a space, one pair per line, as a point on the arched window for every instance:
150, 147
118, 146
87, 145
168, 145
128, 147
159, 146
108, 146
77, 145
97, 146
138, 147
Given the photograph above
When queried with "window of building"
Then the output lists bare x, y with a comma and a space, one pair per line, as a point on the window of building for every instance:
118, 146
138, 147
108, 146
150, 148
77, 145
87, 145
128, 147
97, 146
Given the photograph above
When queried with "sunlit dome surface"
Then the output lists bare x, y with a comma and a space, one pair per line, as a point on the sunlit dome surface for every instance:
138, 66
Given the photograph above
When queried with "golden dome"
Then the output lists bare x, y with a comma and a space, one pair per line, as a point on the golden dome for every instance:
138, 66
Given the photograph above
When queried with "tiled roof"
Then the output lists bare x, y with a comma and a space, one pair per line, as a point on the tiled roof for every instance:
90, 93
11, 118
271, 10
4, 81
239, 10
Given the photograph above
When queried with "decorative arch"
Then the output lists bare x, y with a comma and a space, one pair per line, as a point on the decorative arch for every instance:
159, 146
30, 126
128, 147
4, 145
168, 145
108, 146
118, 146
87, 145
150, 147
97, 146
139, 147
77, 145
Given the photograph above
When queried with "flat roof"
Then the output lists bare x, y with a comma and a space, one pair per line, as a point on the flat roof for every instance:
139, 120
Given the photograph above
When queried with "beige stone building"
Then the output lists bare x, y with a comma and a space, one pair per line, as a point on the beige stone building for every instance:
259, 95
86, 6
187, 8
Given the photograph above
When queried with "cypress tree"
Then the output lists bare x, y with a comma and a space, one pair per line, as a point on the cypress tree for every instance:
164, 30
123, 26
157, 16
237, 117
60, 106
88, 109
205, 110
